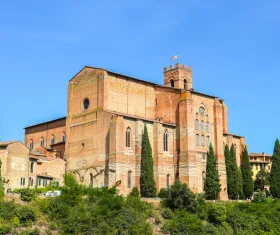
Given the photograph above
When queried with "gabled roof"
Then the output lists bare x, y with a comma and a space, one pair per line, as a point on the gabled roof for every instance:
141, 80
58, 119
260, 154
6, 143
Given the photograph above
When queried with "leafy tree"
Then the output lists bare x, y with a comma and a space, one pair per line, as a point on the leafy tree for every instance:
212, 184
147, 180
247, 179
261, 180
2, 189
275, 171
181, 197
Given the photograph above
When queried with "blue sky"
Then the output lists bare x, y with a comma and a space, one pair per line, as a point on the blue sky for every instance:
233, 47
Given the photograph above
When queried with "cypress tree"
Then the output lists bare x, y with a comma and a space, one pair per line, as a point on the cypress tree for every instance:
147, 180
212, 184
275, 171
247, 174
1, 184
240, 184
237, 184
230, 173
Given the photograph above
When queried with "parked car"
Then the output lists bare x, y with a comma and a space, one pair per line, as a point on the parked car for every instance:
52, 193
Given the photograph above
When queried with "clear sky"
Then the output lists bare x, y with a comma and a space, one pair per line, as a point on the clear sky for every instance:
233, 47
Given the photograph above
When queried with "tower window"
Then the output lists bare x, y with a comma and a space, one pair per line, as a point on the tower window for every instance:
185, 83
197, 140
86, 103
172, 83
201, 110
31, 145
127, 137
196, 125
52, 140
202, 141
42, 142
165, 141
64, 137
32, 167
208, 141
129, 179
207, 127
202, 126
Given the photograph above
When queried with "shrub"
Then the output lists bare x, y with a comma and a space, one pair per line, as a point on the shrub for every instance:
7, 210
134, 192
181, 197
34, 231
183, 223
217, 213
27, 195
167, 213
5, 228
26, 214
163, 193
259, 197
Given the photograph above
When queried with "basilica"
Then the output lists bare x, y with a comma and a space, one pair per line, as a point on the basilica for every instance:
100, 138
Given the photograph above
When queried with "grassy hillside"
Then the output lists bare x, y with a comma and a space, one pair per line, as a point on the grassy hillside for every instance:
81, 210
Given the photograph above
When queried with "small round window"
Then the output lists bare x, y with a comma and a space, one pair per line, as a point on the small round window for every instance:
201, 110
86, 103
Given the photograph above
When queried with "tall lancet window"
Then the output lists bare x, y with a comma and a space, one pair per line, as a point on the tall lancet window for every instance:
127, 137
165, 141
185, 84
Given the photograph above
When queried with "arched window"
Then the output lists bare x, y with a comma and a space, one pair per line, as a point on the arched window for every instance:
202, 126
208, 140
53, 140
172, 83
32, 167
127, 137
196, 125
31, 145
129, 179
197, 140
207, 127
63, 137
202, 141
165, 141
91, 180
201, 111
185, 83
167, 181
42, 142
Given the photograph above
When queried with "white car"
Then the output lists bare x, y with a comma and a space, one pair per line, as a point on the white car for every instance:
52, 193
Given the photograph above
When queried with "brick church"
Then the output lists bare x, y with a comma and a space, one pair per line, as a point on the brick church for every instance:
100, 137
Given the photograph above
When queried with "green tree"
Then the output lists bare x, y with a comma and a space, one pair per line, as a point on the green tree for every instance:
275, 171
230, 173
2, 189
261, 180
240, 184
147, 180
247, 174
236, 191
180, 197
212, 184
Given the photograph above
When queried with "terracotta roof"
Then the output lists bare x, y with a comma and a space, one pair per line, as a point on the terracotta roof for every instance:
260, 154
58, 119
6, 143
239, 136
141, 80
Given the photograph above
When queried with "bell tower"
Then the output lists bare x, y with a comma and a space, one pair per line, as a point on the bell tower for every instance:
178, 77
